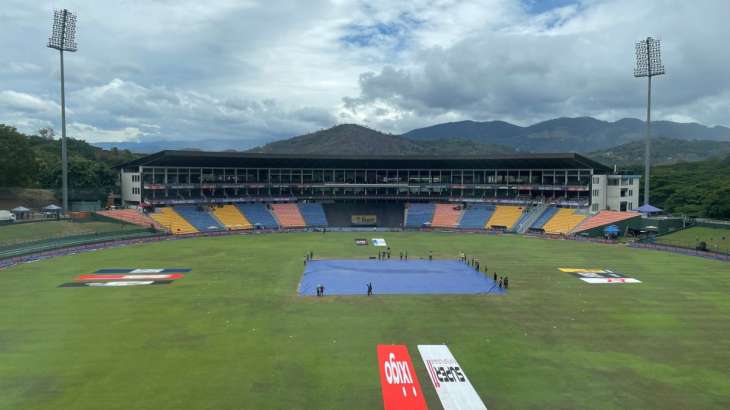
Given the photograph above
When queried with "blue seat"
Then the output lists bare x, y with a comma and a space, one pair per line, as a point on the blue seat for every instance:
476, 216
542, 220
201, 220
313, 214
419, 214
258, 215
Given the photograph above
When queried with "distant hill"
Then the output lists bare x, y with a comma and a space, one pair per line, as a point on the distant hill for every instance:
149, 147
663, 151
583, 134
610, 142
350, 139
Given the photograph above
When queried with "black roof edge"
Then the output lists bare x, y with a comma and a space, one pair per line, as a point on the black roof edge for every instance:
589, 163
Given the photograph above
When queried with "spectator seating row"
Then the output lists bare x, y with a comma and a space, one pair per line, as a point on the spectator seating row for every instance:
544, 218
288, 215
476, 216
258, 214
231, 217
446, 216
189, 219
131, 216
504, 217
564, 221
604, 218
313, 214
200, 219
418, 214
171, 220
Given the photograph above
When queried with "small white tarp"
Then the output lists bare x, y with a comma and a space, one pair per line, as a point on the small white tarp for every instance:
379, 242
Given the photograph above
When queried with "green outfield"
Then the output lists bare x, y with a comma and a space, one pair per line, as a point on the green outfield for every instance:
717, 239
18, 233
233, 334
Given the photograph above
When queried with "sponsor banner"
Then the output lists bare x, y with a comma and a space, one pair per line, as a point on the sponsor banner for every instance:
361, 242
171, 276
141, 270
368, 220
452, 386
115, 283
398, 380
379, 242
597, 275
610, 280
147, 271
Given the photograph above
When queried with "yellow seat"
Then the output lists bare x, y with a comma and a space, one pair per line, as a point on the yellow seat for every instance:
564, 221
504, 216
231, 217
169, 219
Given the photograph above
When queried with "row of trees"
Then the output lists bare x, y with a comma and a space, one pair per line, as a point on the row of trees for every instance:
698, 189
34, 161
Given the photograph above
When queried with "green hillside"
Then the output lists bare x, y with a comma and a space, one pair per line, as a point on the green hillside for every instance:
34, 161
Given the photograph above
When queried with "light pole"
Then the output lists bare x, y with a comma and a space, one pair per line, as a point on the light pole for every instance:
63, 38
648, 64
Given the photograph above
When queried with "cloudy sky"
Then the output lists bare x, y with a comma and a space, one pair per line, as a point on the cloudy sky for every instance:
255, 70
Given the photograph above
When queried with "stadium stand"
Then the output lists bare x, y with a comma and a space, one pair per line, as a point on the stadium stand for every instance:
258, 215
476, 216
313, 214
446, 216
288, 215
131, 216
544, 218
418, 214
342, 214
168, 218
564, 221
504, 217
200, 219
231, 217
605, 218
529, 215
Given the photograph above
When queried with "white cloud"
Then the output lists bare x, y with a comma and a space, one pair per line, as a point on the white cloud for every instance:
21, 102
254, 70
93, 134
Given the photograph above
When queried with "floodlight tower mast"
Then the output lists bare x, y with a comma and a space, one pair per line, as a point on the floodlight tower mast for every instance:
648, 64
63, 38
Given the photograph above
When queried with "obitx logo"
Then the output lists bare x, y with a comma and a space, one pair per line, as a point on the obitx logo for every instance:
398, 379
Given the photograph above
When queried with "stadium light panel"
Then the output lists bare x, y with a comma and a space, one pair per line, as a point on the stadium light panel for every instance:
63, 34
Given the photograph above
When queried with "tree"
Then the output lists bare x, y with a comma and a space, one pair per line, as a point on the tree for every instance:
18, 166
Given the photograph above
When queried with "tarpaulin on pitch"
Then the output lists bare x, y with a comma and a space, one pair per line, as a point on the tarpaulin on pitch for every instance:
452, 386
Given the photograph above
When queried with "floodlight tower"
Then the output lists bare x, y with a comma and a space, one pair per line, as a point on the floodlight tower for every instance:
63, 38
648, 64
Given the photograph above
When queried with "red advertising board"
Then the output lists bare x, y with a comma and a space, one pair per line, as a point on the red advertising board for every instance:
398, 379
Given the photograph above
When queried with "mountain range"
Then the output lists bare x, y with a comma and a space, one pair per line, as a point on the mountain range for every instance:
351, 139
618, 142
582, 134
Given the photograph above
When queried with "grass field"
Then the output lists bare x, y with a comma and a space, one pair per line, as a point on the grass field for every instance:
717, 239
27, 232
233, 334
